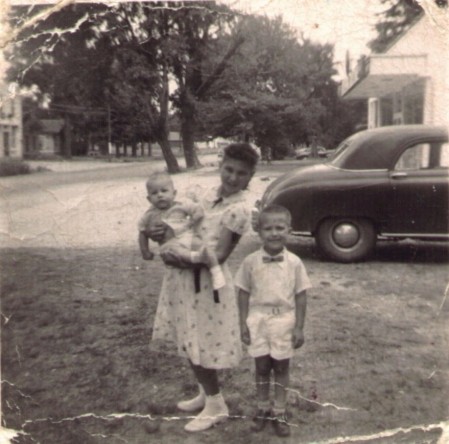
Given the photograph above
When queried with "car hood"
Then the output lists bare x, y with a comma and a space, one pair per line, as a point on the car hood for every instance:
308, 175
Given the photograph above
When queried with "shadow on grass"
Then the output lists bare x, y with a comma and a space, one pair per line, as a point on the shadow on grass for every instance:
406, 251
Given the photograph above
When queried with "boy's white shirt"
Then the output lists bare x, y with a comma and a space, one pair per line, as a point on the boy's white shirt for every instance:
273, 283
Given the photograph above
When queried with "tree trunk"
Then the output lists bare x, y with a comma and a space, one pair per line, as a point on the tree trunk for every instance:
314, 148
150, 151
125, 149
134, 149
188, 123
67, 147
170, 159
188, 143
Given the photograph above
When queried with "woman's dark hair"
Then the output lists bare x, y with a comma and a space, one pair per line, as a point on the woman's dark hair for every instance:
243, 152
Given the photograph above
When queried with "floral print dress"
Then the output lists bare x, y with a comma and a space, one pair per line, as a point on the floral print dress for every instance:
205, 332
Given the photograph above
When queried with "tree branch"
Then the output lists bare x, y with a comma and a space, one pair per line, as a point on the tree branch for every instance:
204, 87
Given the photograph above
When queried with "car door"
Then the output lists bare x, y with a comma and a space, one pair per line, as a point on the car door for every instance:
420, 191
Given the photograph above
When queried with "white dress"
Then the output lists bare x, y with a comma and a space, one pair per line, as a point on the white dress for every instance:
206, 332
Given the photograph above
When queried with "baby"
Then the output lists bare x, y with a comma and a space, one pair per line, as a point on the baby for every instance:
182, 221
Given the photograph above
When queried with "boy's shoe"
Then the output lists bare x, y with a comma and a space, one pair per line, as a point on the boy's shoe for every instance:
281, 426
260, 420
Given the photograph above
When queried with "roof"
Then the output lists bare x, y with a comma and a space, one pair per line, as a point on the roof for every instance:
51, 126
399, 36
379, 148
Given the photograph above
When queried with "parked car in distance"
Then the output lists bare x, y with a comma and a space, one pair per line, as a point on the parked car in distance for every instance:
389, 182
305, 153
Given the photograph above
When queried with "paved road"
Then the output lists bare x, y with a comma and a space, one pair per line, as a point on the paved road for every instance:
84, 209
104, 172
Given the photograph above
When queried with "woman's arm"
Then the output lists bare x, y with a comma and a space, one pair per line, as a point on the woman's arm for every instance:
226, 244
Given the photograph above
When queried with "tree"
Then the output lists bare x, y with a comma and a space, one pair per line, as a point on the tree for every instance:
195, 27
274, 90
76, 66
396, 18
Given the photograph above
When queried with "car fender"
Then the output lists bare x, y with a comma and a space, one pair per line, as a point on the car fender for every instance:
312, 201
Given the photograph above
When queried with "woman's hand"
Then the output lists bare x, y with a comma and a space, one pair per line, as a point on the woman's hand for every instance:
255, 219
157, 232
244, 334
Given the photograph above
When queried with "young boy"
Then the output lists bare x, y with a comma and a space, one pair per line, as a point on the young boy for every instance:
272, 284
182, 221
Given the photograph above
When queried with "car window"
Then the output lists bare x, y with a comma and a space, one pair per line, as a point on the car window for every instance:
444, 158
424, 156
341, 148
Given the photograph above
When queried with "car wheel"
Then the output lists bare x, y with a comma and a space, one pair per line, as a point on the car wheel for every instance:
346, 240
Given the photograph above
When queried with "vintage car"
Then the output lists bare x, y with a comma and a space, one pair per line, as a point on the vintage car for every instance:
389, 183
305, 153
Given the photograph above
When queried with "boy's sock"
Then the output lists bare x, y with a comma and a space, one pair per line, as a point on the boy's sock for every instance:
264, 406
278, 409
280, 422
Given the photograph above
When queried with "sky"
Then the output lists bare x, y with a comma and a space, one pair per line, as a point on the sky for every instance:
348, 24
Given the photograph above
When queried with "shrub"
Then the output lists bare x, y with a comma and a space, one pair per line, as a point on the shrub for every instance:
42, 156
13, 167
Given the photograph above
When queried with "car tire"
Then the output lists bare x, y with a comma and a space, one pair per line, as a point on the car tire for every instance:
346, 239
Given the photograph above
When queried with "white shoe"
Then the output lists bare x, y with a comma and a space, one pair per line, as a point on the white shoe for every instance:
194, 404
214, 412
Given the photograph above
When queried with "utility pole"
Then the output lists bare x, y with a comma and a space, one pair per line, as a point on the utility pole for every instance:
109, 131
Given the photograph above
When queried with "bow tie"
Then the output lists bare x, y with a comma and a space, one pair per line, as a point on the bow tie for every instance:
278, 258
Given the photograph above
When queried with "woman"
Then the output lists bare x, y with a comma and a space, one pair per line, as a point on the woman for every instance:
204, 324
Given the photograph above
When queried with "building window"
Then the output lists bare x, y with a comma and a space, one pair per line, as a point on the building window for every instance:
6, 146
13, 137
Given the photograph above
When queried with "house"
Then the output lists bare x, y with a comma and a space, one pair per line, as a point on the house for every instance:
11, 129
45, 138
408, 83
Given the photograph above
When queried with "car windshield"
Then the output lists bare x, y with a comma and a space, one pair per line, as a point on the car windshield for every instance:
340, 151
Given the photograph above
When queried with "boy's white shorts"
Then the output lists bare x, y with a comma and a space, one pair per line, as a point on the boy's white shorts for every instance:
271, 333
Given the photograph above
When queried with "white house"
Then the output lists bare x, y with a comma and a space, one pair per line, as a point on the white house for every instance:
11, 128
408, 83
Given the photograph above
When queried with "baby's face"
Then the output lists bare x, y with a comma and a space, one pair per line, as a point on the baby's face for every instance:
274, 230
161, 193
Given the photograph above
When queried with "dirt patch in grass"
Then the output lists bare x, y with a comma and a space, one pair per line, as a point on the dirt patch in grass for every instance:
77, 365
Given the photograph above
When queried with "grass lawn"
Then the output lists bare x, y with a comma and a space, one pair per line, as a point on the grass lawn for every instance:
78, 367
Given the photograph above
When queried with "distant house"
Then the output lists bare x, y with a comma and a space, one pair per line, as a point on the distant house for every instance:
174, 137
11, 143
45, 138
408, 83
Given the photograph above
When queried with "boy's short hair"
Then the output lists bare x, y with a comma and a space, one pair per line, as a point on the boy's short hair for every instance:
243, 152
156, 175
275, 209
